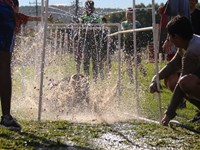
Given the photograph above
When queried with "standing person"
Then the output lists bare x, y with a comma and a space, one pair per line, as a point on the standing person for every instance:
90, 39
7, 29
195, 16
177, 7
128, 43
171, 9
187, 58
10, 24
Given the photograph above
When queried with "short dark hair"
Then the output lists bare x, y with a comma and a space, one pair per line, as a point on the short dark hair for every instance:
16, 2
181, 26
129, 9
89, 4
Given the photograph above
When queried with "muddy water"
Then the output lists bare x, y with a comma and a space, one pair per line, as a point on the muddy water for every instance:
61, 100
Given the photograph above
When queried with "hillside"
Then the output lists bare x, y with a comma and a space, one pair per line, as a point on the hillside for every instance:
63, 13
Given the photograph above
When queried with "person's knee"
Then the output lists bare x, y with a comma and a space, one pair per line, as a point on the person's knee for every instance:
171, 85
170, 82
188, 82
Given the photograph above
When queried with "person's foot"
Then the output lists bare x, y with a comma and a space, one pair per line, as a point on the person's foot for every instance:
10, 123
196, 117
182, 105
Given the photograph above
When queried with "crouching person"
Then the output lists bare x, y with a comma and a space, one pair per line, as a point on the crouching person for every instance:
188, 59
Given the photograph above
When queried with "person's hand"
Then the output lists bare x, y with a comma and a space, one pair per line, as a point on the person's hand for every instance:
153, 87
167, 45
165, 120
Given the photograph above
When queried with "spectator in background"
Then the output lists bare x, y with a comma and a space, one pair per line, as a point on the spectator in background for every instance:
171, 9
171, 50
90, 40
7, 29
129, 45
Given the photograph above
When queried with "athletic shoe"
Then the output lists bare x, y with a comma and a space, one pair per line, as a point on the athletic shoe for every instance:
10, 123
196, 117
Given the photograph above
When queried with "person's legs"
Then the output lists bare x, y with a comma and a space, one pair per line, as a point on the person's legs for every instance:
170, 82
86, 59
129, 61
190, 84
102, 59
6, 92
77, 55
101, 68
5, 80
139, 63
95, 62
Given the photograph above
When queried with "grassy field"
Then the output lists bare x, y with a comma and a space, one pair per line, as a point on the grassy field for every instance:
127, 135
130, 134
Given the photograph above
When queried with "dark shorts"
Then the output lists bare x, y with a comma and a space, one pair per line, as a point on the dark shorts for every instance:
7, 27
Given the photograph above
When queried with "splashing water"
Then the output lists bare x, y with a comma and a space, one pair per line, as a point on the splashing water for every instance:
90, 101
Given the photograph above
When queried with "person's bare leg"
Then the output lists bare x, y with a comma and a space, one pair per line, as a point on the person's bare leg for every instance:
190, 84
5, 82
171, 81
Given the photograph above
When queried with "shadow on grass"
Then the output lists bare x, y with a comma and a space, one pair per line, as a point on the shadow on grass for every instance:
30, 140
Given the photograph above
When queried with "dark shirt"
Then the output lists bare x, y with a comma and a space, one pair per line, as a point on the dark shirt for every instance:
195, 18
8, 2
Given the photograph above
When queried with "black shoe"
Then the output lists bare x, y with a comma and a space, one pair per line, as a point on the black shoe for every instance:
10, 123
196, 117
182, 105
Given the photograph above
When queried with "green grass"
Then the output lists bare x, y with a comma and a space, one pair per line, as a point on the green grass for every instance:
63, 134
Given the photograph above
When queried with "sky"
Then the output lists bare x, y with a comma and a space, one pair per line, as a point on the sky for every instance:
98, 3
